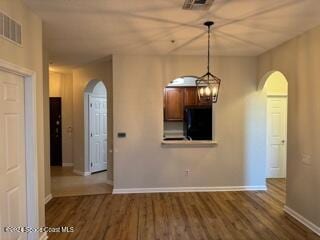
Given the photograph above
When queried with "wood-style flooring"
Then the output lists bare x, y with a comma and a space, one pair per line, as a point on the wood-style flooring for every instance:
218, 215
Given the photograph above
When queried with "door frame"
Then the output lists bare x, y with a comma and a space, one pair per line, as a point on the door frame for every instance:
29, 78
283, 96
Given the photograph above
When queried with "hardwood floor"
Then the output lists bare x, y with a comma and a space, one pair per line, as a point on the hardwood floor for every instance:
216, 215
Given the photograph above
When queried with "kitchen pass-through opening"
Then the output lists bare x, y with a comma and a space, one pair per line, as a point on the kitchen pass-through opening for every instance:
185, 118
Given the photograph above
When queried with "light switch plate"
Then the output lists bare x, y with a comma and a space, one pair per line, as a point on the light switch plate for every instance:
122, 135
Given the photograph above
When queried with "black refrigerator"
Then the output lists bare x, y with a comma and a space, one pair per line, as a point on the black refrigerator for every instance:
198, 122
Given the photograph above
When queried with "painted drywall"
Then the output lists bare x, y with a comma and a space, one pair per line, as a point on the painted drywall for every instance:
100, 70
54, 84
46, 117
140, 161
276, 84
61, 85
29, 56
299, 61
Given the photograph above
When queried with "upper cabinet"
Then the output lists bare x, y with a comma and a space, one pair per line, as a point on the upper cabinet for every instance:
190, 96
176, 99
173, 104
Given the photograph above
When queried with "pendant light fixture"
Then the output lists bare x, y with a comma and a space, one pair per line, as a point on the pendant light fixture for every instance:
208, 84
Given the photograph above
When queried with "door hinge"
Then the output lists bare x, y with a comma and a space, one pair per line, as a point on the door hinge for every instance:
90, 104
91, 164
91, 134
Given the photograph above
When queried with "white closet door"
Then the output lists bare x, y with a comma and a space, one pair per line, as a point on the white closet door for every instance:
277, 137
98, 133
13, 203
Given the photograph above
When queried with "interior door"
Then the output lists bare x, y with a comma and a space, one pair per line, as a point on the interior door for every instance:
13, 203
98, 133
276, 137
55, 132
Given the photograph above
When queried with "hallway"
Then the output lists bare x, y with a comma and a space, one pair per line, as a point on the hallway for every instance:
66, 183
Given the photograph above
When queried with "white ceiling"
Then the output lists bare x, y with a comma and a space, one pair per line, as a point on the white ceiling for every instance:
80, 31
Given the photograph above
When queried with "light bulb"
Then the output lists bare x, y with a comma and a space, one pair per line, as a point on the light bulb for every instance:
207, 91
201, 91
214, 91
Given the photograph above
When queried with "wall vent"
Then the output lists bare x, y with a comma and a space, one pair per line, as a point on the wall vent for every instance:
10, 29
197, 4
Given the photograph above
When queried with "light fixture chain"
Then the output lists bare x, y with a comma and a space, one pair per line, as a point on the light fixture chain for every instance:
208, 49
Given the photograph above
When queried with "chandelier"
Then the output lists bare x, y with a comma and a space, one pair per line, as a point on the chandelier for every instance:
208, 84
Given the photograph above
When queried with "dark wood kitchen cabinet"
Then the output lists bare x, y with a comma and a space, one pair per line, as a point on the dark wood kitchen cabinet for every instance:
176, 99
190, 96
173, 108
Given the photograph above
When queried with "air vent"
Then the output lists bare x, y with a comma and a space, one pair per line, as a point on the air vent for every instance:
197, 4
10, 29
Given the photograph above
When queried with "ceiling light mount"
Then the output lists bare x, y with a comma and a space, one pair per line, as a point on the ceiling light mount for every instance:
209, 23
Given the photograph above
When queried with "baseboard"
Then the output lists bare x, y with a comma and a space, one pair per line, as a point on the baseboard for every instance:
43, 236
67, 164
189, 189
314, 228
81, 173
48, 198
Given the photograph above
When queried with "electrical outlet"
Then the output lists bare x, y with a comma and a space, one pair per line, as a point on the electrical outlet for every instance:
187, 172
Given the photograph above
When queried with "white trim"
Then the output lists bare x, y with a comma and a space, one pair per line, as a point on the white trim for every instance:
43, 236
31, 142
189, 189
81, 173
313, 227
48, 198
199, 143
67, 164
86, 131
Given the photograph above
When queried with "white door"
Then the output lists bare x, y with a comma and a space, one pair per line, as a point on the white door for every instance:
276, 137
98, 133
13, 203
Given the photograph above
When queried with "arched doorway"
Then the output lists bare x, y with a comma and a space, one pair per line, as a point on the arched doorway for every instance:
274, 86
95, 124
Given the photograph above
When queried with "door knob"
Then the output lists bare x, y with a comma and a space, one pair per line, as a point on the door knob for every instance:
283, 141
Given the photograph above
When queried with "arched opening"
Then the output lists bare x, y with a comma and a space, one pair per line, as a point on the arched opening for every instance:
274, 86
95, 124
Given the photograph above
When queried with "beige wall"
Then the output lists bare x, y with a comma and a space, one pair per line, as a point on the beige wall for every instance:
54, 84
29, 56
299, 61
61, 85
46, 117
100, 70
139, 159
